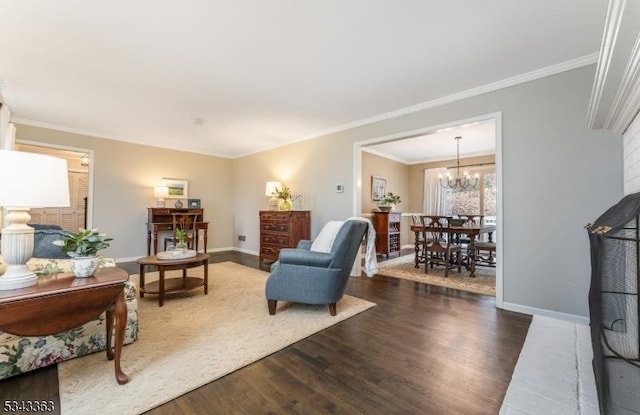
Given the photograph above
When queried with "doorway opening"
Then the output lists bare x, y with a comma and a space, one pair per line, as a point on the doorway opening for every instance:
361, 180
79, 162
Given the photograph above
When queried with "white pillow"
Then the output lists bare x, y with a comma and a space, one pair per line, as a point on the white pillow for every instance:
324, 240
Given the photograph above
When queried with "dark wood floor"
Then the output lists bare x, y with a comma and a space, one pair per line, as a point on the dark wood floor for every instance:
421, 350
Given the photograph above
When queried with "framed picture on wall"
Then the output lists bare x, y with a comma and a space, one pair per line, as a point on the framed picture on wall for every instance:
177, 188
378, 188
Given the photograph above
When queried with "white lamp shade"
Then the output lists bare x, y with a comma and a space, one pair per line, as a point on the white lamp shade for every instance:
33, 180
160, 192
271, 187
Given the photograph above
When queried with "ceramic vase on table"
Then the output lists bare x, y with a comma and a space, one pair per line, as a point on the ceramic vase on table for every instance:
83, 267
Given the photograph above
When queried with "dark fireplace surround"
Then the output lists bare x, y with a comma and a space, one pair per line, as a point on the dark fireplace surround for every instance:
613, 306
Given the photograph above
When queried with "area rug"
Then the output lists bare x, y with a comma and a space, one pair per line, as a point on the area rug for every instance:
192, 340
404, 267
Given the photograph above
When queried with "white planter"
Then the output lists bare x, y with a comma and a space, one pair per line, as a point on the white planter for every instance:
84, 266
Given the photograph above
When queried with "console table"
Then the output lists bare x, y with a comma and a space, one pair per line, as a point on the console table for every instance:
62, 302
161, 219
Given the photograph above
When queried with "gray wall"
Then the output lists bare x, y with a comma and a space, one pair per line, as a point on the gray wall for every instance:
557, 176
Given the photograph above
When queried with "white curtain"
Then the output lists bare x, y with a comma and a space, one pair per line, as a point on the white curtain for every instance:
435, 197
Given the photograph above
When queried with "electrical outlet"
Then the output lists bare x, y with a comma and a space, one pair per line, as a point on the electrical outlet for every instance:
242, 237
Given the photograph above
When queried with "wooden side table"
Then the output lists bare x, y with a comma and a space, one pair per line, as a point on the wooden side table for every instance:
62, 302
173, 285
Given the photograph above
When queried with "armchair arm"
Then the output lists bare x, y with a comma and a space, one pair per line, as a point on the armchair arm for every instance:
304, 257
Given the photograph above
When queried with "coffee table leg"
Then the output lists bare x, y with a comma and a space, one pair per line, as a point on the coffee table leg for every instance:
161, 286
206, 277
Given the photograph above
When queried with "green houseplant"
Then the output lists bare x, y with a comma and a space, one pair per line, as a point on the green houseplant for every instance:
388, 202
181, 239
83, 247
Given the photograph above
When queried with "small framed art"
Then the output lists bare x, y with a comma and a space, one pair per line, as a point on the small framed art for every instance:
378, 188
193, 203
297, 202
177, 188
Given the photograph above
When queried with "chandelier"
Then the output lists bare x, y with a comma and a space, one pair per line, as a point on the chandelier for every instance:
459, 182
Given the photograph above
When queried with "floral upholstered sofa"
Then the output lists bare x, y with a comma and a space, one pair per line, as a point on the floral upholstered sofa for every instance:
19, 354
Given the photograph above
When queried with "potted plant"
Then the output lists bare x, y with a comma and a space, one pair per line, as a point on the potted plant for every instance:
389, 202
83, 248
284, 194
181, 239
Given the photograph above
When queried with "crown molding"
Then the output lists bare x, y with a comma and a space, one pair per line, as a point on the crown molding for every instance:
505, 83
615, 97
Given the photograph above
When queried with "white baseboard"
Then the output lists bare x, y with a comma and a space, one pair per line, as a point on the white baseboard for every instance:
574, 318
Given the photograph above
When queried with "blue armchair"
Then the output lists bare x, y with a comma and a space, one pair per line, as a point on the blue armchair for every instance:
302, 275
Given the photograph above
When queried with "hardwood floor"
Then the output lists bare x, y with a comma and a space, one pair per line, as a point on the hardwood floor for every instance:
421, 350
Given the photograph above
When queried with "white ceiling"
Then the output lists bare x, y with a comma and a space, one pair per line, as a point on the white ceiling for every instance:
234, 77
478, 139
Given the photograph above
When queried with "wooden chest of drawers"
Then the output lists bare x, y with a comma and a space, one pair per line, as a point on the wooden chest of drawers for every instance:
282, 229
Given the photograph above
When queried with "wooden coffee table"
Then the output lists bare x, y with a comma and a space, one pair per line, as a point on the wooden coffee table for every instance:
62, 302
173, 285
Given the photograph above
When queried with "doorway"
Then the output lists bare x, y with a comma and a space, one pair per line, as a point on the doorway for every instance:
360, 181
77, 215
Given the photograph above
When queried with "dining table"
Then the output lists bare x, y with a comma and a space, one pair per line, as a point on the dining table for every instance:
471, 230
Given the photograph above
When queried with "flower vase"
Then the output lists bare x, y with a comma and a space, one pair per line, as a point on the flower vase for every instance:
84, 266
285, 205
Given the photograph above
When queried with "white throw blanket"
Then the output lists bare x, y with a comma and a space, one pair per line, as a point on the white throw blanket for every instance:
325, 238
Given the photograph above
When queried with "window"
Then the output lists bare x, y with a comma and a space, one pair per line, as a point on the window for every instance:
481, 200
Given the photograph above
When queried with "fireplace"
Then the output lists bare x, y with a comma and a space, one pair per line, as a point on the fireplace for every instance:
613, 306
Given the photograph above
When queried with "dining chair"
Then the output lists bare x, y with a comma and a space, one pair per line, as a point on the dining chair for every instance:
188, 223
476, 220
439, 245
485, 254
419, 242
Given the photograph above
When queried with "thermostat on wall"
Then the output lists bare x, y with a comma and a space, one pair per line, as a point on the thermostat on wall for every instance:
339, 188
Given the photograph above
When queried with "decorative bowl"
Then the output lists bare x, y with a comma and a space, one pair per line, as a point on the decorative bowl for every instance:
385, 208
177, 254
